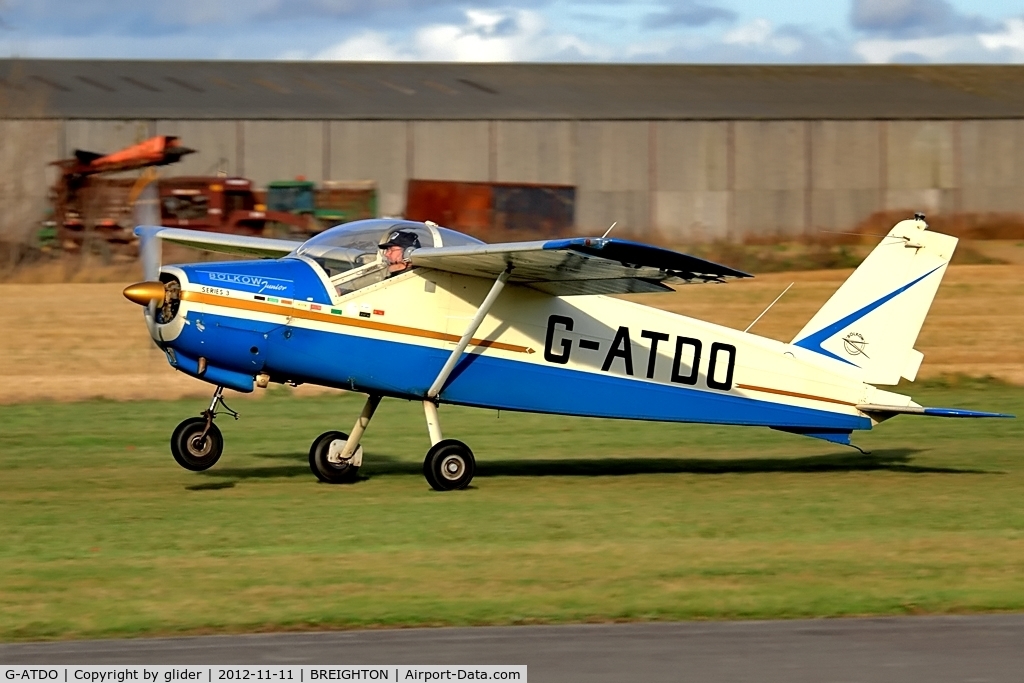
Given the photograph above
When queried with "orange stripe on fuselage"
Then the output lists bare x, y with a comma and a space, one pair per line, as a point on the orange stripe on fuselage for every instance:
277, 309
782, 392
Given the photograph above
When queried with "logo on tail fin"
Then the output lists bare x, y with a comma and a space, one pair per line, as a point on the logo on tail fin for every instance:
854, 344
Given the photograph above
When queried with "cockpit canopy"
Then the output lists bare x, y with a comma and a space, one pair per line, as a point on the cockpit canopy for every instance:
351, 252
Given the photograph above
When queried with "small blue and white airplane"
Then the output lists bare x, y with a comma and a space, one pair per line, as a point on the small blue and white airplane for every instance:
412, 310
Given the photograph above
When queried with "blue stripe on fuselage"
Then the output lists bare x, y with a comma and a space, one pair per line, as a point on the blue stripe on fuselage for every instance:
407, 370
813, 342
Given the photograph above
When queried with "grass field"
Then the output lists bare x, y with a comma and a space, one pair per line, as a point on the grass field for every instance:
568, 520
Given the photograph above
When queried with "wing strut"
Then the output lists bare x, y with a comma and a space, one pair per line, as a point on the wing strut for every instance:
474, 325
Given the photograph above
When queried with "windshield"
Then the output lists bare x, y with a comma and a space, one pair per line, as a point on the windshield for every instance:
353, 245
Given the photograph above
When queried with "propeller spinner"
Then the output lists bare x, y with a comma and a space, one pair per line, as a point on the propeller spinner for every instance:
142, 293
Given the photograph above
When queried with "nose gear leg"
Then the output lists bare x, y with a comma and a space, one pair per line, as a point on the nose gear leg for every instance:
197, 443
211, 412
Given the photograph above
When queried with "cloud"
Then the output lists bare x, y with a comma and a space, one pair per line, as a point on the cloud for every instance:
481, 36
157, 17
755, 42
1010, 38
912, 18
761, 34
663, 31
915, 50
688, 13
365, 46
1004, 44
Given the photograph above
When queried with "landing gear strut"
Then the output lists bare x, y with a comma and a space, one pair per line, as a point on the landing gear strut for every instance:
449, 464
197, 443
335, 457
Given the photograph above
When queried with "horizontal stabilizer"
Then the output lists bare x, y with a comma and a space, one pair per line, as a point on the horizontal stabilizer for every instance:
921, 410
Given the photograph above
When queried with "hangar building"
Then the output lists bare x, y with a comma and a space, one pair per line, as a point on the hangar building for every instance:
677, 153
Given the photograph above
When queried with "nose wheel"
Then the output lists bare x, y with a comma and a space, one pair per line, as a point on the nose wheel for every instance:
197, 443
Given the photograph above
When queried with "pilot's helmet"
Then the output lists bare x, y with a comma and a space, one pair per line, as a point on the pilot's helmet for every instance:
402, 238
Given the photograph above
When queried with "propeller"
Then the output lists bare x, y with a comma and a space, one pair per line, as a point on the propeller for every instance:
151, 292
149, 251
146, 212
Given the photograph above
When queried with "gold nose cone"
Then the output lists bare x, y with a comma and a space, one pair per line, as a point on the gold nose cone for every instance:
144, 292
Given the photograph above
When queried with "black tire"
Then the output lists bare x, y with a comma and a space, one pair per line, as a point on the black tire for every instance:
449, 465
189, 451
325, 470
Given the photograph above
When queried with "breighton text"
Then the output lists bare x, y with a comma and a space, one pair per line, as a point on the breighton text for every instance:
259, 674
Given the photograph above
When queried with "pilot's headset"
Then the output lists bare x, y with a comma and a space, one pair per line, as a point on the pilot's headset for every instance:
405, 239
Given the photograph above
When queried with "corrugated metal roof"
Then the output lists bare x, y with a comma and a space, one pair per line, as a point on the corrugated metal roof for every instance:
101, 89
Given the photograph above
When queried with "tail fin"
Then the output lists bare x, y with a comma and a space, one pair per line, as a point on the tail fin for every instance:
873, 320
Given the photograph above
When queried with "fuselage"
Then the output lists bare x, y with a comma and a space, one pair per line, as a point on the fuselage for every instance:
582, 355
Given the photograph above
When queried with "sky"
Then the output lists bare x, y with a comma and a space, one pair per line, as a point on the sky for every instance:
658, 31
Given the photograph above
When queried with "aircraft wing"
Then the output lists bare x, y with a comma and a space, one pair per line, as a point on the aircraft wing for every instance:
579, 265
260, 247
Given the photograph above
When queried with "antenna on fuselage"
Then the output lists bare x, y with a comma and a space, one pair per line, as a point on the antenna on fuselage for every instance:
769, 307
609, 229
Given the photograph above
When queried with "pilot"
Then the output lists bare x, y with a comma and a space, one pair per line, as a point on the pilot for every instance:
397, 248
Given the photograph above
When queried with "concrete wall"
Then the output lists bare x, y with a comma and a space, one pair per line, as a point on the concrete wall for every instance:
282, 150
535, 152
676, 181
25, 178
991, 169
373, 150
846, 173
922, 169
613, 176
692, 181
451, 150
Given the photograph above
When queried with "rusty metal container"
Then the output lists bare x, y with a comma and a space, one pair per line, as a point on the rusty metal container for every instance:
493, 209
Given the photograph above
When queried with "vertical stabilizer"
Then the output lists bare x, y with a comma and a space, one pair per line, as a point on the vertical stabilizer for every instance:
873, 320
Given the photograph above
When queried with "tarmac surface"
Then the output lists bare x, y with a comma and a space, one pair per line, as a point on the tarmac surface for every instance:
975, 649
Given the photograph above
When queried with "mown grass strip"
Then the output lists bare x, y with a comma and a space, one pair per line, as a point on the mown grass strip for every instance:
568, 520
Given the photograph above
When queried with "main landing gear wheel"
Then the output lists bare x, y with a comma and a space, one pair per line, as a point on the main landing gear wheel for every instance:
326, 465
197, 444
449, 465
